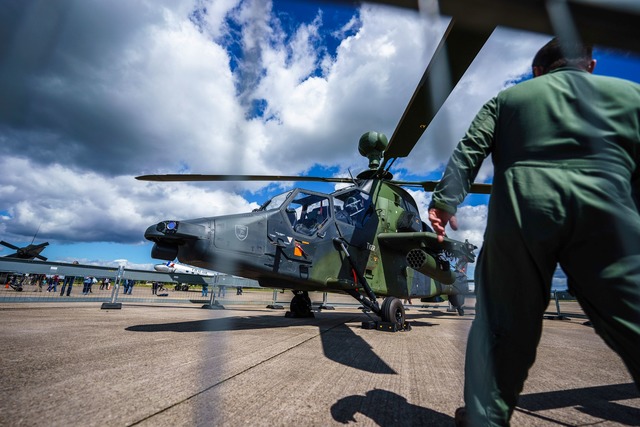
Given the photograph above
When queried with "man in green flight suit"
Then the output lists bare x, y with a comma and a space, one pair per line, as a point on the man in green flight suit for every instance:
566, 152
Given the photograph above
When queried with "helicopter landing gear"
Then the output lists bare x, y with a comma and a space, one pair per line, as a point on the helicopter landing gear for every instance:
456, 303
392, 311
300, 305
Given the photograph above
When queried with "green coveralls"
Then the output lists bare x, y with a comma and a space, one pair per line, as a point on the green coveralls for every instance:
566, 150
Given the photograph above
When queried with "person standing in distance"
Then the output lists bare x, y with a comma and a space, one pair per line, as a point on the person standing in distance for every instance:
565, 147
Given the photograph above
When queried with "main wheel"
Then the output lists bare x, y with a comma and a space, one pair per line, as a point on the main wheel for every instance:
393, 311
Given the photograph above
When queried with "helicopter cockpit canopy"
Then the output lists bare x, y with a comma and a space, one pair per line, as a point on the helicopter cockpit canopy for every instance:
352, 204
308, 212
275, 202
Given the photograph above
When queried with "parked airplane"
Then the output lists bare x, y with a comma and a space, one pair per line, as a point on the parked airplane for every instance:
176, 267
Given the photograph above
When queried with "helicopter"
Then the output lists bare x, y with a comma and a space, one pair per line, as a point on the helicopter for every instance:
367, 239
30, 251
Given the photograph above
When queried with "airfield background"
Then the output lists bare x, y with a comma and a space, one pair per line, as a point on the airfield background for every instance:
222, 289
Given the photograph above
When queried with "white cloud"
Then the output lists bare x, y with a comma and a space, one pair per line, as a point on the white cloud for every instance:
87, 206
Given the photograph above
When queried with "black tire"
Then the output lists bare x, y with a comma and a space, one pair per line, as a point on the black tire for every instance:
301, 305
393, 311
457, 301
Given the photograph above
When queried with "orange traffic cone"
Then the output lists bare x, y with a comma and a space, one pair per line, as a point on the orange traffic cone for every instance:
7, 285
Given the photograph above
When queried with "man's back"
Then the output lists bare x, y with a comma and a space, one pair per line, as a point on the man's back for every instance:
569, 116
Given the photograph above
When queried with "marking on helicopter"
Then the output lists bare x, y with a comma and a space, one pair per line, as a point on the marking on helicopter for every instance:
242, 231
297, 250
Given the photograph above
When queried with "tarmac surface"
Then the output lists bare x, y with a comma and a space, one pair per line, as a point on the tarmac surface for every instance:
163, 365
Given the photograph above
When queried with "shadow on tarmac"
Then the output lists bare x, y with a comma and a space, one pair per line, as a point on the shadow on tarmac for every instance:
386, 408
339, 343
598, 402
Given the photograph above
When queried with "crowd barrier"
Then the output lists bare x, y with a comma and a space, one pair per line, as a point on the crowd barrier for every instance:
223, 290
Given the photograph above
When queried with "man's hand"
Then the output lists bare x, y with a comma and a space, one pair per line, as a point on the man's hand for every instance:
439, 220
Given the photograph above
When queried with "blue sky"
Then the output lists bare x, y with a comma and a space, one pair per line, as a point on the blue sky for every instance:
96, 93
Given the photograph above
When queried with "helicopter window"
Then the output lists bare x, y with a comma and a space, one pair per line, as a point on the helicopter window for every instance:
408, 206
351, 206
275, 202
308, 212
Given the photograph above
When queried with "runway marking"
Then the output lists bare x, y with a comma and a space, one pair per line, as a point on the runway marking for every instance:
186, 399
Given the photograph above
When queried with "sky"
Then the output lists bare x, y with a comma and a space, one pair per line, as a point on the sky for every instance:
94, 93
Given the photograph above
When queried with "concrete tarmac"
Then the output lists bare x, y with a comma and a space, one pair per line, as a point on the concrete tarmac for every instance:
72, 364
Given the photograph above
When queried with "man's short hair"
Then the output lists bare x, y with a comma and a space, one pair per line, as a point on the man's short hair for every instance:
556, 54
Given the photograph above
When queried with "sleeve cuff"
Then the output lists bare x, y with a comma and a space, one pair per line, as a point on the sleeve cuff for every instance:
443, 207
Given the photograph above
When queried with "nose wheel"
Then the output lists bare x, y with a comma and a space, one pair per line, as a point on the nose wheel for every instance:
300, 305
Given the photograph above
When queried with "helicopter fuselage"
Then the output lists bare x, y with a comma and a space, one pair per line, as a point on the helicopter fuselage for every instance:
310, 241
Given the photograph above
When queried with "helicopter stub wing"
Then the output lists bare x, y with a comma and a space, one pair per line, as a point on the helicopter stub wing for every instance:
205, 177
404, 242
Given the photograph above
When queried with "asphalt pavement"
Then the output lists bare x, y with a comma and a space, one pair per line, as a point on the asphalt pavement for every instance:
75, 364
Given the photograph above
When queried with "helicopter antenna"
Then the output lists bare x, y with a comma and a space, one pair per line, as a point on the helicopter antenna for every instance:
34, 236
352, 178
390, 164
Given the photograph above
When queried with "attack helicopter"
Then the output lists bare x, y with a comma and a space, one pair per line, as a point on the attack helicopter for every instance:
366, 240
30, 251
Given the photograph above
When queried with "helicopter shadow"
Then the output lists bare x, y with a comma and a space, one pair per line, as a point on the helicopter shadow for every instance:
387, 408
340, 344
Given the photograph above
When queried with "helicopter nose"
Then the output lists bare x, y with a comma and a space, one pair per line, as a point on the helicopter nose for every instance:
170, 235
175, 231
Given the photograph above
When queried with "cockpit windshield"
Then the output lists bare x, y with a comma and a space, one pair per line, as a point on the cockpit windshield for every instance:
275, 202
351, 205
308, 212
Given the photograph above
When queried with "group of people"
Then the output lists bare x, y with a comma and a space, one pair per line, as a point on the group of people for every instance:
40, 281
565, 147
17, 281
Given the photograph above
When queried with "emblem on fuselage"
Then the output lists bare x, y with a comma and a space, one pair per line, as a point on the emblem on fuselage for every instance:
242, 231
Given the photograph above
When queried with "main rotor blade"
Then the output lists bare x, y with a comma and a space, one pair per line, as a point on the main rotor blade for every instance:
199, 177
457, 49
612, 23
9, 245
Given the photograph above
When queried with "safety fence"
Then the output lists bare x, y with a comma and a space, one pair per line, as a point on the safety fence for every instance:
223, 291
226, 292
